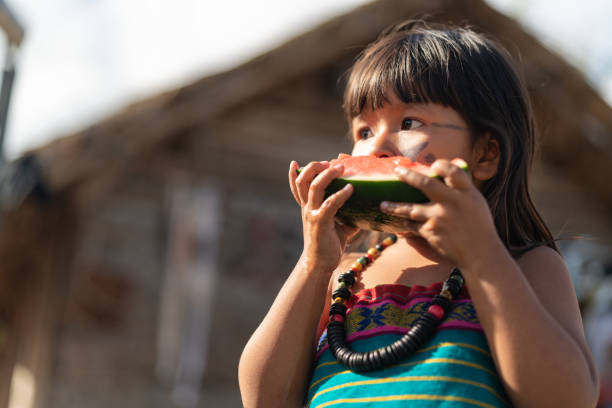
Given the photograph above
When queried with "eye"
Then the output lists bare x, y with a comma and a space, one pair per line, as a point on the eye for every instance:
364, 133
411, 124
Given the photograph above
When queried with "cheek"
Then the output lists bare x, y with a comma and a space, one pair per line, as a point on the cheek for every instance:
429, 158
413, 145
360, 149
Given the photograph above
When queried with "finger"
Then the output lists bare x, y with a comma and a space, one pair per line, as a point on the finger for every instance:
411, 225
332, 204
414, 212
293, 174
454, 173
431, 186
306, 176
316, 194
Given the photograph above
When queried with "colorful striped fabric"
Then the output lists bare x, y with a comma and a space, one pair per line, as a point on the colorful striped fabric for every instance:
454, 370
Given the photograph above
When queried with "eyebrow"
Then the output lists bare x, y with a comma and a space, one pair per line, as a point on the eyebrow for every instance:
447, 126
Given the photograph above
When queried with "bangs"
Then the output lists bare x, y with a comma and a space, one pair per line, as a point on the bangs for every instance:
417, 67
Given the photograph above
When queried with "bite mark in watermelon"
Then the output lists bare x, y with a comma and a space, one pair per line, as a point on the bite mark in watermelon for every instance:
374, 181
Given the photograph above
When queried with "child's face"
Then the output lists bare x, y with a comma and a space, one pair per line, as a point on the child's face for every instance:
422, 132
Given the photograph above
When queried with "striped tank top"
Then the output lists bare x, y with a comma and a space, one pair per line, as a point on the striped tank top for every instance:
453, 370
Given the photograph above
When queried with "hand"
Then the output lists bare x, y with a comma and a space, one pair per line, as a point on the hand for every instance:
324, 239
456, 221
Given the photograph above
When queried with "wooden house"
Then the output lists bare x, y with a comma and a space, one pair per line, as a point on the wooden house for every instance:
139, 254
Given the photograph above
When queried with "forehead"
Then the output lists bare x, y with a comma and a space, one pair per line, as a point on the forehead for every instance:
424, 111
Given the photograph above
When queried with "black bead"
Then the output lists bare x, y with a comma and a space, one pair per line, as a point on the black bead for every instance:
334, 325
387, 356
407, 345
351, 360
418, 334
335, 338
453, 286
457, 276
395, 350
342, 292
337, 353
379, 247
363, 362
429, 320
393, 238
442, 301
337, 308
347, 277
371, 363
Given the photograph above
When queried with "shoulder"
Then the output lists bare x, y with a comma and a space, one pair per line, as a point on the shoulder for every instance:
550, 280
542, 260
548, 275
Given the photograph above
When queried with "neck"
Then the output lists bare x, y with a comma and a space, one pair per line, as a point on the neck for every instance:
420, 252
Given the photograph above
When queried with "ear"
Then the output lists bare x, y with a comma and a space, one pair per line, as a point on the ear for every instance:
486, 158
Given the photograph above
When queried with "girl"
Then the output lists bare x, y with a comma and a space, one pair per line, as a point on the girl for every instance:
510, 331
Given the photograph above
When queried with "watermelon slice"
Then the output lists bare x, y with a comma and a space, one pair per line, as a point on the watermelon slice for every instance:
374, 181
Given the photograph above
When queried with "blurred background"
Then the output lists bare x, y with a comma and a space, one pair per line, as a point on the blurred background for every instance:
145, 219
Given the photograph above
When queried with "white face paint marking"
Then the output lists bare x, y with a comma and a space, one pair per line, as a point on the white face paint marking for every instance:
411, 150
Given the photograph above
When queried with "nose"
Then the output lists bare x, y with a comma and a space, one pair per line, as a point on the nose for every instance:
384, 145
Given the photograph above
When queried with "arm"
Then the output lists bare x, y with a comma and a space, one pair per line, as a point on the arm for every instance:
527, 308
529, 312
275, 364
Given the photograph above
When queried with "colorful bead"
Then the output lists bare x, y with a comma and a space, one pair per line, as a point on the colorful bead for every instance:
338, 300
337, 318
363, 261
370, 257
387, 241
373, 252
357, 267
436, 311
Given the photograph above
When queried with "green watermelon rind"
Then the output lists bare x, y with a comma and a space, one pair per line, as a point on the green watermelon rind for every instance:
362, 209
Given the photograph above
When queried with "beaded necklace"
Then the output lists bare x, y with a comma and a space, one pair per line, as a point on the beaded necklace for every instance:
409, 343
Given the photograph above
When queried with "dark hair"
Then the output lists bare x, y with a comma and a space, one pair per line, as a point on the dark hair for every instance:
457, 67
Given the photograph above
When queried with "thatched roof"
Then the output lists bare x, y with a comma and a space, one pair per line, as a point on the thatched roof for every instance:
576, 121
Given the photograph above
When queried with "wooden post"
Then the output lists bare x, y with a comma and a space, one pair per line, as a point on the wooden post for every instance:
35, 248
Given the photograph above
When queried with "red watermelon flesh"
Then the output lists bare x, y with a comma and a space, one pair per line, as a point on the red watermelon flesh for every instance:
375, 168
